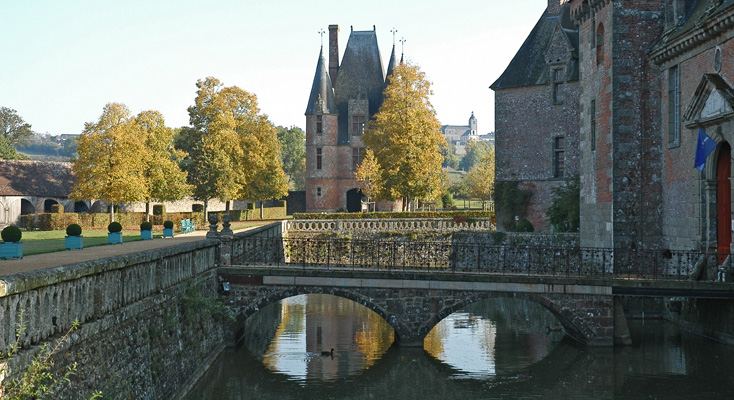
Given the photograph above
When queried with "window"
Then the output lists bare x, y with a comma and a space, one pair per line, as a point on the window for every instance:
592, 128
356, 157
559, 155
557, 81
318, 158
599, 45
319, 125
673, 105
318, 191
357, 125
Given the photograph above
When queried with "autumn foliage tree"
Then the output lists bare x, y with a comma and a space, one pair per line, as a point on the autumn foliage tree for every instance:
233, 150
405, 141
480, 179
111, 164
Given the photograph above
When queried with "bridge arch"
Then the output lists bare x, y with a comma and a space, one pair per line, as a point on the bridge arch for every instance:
247, 310
574, 324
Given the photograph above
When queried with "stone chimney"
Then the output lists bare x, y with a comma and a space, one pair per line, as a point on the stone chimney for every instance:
333, 52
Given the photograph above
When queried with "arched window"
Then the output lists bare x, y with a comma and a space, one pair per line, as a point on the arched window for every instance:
599, 45
26, 207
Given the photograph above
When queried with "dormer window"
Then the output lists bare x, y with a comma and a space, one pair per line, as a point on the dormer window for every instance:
358, 122
319, 125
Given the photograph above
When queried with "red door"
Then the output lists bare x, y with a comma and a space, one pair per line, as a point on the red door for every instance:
723, 201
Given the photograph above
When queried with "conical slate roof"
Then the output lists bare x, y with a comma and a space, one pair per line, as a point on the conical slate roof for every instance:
391, 64
322, 94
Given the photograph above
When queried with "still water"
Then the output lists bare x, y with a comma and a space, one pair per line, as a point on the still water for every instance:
499, 348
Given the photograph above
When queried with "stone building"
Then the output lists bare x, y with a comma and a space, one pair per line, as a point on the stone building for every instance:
344, 97
537, 112
460, 135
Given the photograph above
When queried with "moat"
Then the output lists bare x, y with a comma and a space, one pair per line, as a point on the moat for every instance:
498, 348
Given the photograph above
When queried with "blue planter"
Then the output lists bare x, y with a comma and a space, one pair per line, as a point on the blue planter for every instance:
167, 232
74, 242
146, 235
11, 250
114, 238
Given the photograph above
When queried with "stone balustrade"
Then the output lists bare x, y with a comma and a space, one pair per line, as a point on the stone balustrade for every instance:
444, 225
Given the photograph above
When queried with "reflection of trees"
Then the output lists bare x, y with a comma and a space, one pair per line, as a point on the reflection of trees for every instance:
373, 338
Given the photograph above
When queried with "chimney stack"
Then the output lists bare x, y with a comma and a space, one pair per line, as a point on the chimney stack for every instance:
333, 53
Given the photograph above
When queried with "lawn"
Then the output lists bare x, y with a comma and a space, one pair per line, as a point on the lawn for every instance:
38, 242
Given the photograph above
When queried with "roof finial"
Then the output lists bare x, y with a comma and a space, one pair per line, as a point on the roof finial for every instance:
321, 32
374, 28
394, 31
402, 42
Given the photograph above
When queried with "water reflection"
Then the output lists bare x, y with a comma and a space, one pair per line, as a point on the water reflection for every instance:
312, 325
495, 349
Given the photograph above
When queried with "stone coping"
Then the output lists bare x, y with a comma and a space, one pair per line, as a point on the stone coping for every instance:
28, 280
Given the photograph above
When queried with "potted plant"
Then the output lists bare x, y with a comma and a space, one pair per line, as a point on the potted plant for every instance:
168, 229
11, 247
74, 238
146, 231
115, 233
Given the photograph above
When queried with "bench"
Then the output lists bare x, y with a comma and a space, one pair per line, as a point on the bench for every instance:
187, 226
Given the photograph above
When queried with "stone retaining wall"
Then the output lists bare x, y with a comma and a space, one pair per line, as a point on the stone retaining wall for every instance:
138, 337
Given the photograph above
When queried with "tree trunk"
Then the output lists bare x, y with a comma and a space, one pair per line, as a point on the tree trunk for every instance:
206, 210
112, 213
147, 211
262, 210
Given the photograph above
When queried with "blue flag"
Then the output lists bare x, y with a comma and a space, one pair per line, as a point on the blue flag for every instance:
705, 146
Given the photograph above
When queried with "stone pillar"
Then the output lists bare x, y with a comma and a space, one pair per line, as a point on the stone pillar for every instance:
225, 242
213, 222
621, 330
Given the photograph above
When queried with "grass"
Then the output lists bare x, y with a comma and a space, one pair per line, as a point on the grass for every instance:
39, 242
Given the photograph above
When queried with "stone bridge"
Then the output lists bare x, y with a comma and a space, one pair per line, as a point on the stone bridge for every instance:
414, 303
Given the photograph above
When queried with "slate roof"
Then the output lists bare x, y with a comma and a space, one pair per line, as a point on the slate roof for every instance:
321, 89
698, 12
528, 67
36, 178
391, 64
360, 75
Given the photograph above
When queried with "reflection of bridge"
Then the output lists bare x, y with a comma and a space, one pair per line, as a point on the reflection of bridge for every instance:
414, 285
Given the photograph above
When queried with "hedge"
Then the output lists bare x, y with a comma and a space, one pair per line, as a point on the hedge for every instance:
129, 221
253, 214
388, 215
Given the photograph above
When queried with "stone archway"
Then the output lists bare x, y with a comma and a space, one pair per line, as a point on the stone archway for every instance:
47, 205
26, 207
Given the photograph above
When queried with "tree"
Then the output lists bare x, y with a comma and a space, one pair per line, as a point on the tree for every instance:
405, 140
368, 174
293, 155
166, 181
230, 146
480, 179
475, 151
8, 151
450, 159
111, 164
564, 211
12, 127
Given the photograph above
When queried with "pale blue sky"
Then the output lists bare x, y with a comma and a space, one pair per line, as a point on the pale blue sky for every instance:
64, 60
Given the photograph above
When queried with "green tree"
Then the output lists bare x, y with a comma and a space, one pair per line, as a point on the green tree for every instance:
475, 151
8, 151
70, 147
230, 146
564, 211
111, 164
166, 181
293, 155
480, 179
450, 159
405, 139
12, 127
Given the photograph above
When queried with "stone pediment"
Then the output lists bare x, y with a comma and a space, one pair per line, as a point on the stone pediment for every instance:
713, 100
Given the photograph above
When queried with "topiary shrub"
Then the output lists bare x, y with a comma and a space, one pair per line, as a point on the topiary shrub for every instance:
114, 227
197, 207
74, 230
159, 209
56, 209
11, 234
146, 226
168, 224
524, 226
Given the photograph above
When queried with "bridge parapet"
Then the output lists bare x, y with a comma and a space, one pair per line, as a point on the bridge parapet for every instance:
388, 225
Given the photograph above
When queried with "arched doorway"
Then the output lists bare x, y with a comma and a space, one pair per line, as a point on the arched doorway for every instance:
723, 201
26, 207
81, 207
47, 205
354, 200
